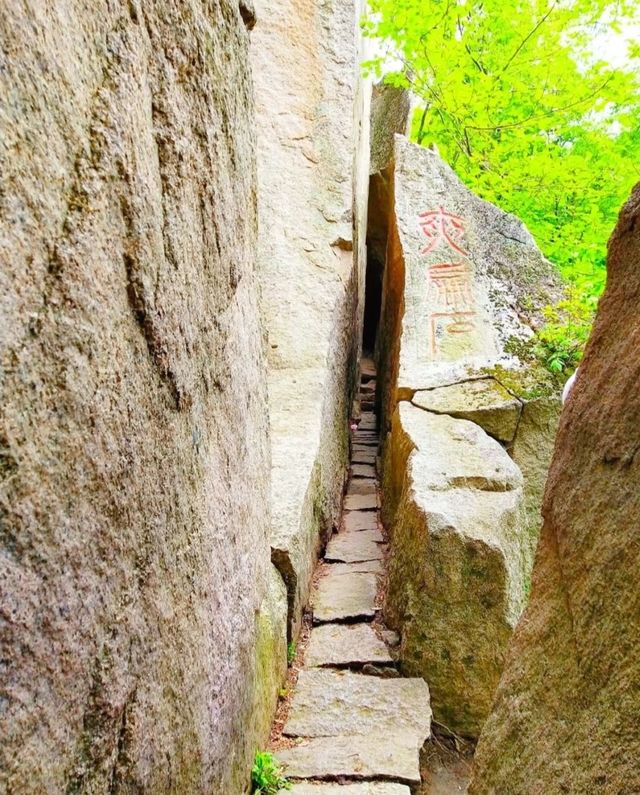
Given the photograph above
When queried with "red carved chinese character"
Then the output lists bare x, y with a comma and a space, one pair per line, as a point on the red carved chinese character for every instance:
453, 283
462, 323
440, 226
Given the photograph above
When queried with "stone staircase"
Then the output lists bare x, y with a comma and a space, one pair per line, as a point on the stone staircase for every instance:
354, 726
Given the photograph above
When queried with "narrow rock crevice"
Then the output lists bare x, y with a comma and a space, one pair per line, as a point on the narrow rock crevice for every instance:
353, 717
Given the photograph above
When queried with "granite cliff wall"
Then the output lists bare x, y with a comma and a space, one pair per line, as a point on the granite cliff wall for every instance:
142, 627
313, 157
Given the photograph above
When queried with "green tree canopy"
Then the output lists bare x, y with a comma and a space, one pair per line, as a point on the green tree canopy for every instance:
522, 99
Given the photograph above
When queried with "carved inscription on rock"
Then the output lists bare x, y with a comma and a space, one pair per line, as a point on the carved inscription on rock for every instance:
453, 311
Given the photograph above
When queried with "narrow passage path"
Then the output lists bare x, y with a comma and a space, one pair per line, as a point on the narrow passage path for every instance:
355, 726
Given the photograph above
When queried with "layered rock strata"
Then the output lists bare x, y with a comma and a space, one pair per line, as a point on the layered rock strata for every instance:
464, 283
565, 716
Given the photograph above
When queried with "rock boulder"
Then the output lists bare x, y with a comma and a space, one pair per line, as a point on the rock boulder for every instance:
455, 585
566, 713
464, 284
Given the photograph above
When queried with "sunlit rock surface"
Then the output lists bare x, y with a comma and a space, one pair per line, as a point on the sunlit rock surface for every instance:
464, 285
456, 579
312, 129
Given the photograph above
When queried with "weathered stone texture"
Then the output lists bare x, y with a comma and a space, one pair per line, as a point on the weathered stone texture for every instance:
482, 400
367, 788
455, 585
532, 449
498, 291
341, 597
304, 63
343, 644
340, 703
566, 713
366, 756
463, 282
139, 607
390, 112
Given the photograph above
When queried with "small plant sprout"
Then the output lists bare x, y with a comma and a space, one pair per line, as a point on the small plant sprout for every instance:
291, 652
267, 776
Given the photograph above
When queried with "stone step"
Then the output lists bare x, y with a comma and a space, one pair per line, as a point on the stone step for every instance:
359, 520
356, 757
363, 471
329, 703
367, 368
374, 566
365, 788
344, 597
361, 502
362, 486
345, 644
355, 547
363, 457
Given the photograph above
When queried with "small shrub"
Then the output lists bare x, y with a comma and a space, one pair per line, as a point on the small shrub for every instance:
560, 342
267, 776
291, 652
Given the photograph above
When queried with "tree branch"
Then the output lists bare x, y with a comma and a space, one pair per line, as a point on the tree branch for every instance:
536, 27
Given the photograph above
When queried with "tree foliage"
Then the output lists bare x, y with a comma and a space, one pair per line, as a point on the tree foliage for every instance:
519, 100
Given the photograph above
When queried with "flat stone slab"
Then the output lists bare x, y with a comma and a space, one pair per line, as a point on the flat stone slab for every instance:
329, 703
355, 546
345, 644
483, 401
373, 756
363, 471
362, 486
374, 566
366, 788
361, 502
363, 457
342, 597
359, 520
367, 368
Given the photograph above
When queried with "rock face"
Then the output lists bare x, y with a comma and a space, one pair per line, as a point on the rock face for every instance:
390, 111
565, 716
311, 117
462, 281
483, 401
455, 577
134, 450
